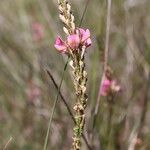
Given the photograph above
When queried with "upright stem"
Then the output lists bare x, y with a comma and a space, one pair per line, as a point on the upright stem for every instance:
67, 106
53, 109
104, 66
80, 80
77, 63
105, 58
107, 35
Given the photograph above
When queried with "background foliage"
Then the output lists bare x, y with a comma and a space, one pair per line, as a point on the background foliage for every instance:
27, 32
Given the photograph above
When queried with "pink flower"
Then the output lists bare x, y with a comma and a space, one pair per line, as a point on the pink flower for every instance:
85, 37
60, 45
114, 86
73, 41
109, 86
105, 87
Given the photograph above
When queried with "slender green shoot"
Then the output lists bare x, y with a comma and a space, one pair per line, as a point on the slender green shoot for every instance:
54, 106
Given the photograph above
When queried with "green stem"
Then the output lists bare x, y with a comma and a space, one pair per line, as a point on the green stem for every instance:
54, 106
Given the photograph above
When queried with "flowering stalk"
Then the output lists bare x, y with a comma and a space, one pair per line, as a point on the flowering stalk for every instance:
80, 79
74, 46
66, 16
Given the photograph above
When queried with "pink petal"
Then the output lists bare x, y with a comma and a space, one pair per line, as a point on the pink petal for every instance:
85, 34
81, 31
105, 87
60, 45
73, 41
88, 42
114, 86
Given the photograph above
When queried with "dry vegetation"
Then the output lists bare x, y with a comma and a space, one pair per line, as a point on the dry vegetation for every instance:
27, 32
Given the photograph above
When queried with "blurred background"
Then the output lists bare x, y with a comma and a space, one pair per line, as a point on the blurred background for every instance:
28, 29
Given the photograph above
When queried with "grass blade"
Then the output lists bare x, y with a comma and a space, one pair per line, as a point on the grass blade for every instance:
54, 106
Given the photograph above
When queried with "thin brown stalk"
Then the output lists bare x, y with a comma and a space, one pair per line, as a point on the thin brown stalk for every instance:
107, 35
62, 97
66, 105
105, 58
104, 65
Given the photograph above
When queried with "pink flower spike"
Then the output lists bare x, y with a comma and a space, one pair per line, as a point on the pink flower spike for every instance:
73, 41
60, 45
105, 87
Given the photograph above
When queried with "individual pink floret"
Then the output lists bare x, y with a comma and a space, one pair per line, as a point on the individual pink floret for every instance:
60, 45
109, 86
85, 37
105, 87
114, 86
73, 41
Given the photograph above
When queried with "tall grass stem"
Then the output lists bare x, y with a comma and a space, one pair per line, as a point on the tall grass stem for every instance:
54, 106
